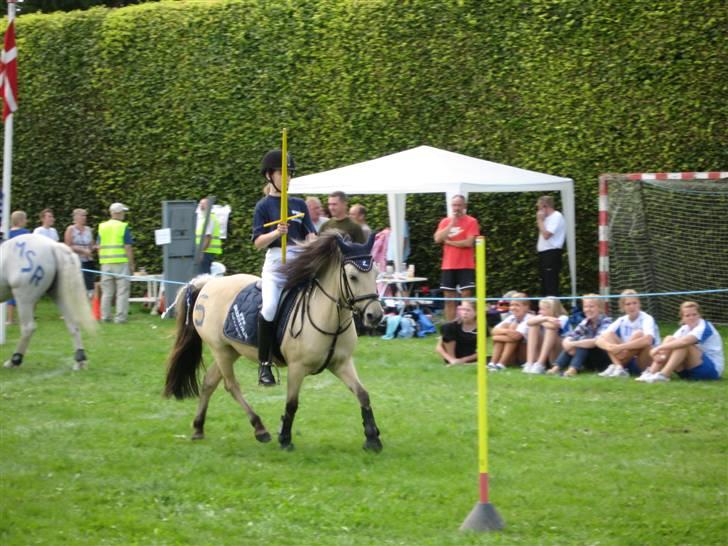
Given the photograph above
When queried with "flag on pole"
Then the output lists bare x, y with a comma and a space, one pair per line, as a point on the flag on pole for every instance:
9, 72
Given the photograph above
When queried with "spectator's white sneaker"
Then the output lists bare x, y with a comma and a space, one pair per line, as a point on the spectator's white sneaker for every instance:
497, 367
608, 372
657, 378
537, 368
619, 372
645, 376
526, 368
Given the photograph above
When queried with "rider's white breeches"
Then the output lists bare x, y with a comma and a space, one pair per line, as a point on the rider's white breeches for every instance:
273, 281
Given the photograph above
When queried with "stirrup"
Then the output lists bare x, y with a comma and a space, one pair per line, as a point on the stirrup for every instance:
265, 375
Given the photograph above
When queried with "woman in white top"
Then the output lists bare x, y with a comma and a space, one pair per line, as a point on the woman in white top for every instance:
629, 339
545, 332
511, 335
694, 351
47, 219
80, 238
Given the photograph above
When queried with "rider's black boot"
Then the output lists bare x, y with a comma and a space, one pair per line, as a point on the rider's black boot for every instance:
266, 331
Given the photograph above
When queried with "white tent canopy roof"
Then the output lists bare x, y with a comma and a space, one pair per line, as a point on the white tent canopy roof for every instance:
426, 170
430, 170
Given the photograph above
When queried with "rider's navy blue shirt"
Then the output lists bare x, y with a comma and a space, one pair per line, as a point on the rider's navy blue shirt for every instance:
268, 209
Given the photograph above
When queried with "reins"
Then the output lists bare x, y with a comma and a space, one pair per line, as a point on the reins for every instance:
303, 305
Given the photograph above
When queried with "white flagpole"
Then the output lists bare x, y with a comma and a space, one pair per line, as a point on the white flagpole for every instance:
7, 173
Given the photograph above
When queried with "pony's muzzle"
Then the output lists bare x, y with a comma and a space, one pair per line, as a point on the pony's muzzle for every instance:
372, 314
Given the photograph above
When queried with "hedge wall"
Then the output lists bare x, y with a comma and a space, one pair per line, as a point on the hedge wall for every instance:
180, 99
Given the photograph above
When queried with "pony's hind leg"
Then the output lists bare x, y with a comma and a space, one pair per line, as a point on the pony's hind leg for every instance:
209, 384
347, 373
225, 358
80, 355
27, 327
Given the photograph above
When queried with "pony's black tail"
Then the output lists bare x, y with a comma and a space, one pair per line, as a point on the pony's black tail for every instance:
186, 355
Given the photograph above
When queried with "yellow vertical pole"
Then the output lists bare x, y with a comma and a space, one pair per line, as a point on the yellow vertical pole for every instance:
484, 516
284, 191
480, 293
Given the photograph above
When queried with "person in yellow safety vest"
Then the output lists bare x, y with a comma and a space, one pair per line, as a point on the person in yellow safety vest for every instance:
116, 257
211, 243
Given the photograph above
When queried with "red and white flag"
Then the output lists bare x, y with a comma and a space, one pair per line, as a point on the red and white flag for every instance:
9, 73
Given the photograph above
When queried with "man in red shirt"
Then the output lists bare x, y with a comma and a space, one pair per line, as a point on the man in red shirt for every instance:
457, 234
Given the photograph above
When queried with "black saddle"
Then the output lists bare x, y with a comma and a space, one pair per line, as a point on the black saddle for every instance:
241, 324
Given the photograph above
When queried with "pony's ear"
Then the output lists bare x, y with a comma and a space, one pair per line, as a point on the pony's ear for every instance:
349, 248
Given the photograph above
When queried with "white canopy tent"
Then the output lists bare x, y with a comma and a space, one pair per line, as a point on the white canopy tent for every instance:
430, 170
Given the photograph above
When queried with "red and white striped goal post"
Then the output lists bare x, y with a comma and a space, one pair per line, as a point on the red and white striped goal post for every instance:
604, 180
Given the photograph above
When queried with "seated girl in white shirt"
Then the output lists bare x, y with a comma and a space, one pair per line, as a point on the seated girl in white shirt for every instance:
545, 332
629, 339
694, 351
511, 335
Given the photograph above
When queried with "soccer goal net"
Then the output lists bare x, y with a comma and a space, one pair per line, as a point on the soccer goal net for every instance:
663, 233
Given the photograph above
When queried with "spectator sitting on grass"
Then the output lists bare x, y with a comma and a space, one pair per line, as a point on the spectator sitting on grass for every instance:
629, 339
458, 344
545, 332
511, 335
580, 346
694, 351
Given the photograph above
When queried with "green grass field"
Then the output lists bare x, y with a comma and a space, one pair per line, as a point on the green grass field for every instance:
98, 457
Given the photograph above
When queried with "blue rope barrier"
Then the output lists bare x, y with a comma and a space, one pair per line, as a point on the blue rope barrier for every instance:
137, 277
495, 299
539, 298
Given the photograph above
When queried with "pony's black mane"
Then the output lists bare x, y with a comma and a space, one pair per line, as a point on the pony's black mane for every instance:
315, 256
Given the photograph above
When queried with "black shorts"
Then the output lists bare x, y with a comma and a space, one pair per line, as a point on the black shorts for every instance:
89, 277
457, 279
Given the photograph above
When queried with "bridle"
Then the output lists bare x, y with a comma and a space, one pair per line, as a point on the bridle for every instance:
349, 301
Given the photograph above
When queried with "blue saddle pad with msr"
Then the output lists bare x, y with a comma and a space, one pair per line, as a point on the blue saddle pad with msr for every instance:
241, 324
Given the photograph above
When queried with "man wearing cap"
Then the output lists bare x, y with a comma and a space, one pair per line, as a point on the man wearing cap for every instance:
211, 242
116, 257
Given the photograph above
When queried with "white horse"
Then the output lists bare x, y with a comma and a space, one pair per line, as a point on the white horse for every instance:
33, 265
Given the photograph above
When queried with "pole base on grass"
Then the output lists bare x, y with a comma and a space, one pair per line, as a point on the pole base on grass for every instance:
484, 517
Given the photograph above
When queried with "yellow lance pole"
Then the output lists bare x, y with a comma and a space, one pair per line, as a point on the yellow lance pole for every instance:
284, 191
292, 217
484, 516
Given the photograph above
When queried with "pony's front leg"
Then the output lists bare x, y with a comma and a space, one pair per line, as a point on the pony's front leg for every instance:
27, 327
347, 373
293, 382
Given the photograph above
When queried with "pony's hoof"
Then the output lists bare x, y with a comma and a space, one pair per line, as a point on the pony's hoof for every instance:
373, 444
287, 447
263, 437
78, 366
9, 364
199, 435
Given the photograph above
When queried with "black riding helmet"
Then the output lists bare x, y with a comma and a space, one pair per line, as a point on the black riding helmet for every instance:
272, 162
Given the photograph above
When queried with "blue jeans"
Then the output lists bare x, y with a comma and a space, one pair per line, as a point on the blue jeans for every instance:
580, 357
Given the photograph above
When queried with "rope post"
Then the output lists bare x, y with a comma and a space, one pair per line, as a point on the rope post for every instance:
284, 191
483, 517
